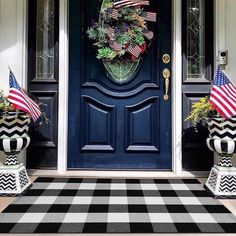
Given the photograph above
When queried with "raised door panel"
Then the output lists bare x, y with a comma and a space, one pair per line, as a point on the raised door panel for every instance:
45, 134
142, 126
42, 151
97, 125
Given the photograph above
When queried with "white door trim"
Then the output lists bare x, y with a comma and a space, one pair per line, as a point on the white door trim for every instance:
63, 87
21, 49
176, 88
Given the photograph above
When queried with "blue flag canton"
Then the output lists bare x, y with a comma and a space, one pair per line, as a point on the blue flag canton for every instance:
12, 81
221, 78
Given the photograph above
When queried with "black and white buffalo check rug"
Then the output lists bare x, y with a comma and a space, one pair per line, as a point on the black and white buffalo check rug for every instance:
72, 205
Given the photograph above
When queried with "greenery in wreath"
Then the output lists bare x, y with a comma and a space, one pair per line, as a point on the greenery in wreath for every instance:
121, 33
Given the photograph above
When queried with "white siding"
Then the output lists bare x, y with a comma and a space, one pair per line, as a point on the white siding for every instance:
225, 38
230, 42
12, 40
230, 38
226, 33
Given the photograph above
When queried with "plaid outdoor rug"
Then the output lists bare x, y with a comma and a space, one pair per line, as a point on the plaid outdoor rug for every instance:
72, 205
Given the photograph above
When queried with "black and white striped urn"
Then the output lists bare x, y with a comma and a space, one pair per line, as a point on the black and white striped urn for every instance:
222, 140
13, 138
12, 147
13, 134
225, 149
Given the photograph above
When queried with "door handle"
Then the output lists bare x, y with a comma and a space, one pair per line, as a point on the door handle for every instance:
166, 77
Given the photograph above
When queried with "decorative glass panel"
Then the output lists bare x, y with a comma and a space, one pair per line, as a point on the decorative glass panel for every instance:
196, 38
45, 39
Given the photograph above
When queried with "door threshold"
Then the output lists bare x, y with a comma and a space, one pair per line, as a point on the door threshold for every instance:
118, 174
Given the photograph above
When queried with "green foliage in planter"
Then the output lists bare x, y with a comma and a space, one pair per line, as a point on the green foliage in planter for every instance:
5, 105
200, 111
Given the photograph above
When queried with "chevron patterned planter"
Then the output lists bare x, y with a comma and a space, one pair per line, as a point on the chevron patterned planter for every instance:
14, 180
220, 128
13, 139
13, 124
222, 140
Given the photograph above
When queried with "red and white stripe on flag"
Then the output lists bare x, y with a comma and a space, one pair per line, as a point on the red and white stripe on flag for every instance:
223, 99
223, 95
113, 13
130, 3
116, 46
149, 16
148, 34
135, 50
22, 101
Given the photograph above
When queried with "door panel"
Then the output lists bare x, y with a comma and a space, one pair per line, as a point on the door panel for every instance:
98, 123
142, 137
112, 125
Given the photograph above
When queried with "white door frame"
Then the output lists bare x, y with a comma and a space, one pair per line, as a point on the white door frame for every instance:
176, 88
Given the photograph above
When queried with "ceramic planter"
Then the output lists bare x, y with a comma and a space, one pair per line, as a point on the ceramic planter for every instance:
13, 139
222, 139
220, 128
13, 124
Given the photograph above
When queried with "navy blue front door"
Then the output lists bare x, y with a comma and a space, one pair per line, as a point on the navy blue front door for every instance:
111, 125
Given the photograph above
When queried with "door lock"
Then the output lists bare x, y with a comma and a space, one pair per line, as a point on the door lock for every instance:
166, 77
166, 58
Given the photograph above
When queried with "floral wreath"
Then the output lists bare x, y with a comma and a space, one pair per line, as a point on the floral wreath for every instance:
121, 31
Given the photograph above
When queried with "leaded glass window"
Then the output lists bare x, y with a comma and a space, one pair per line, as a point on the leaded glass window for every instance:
45, 39
196, 38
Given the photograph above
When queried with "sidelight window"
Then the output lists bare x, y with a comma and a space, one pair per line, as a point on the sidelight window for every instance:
197, 40
45, 39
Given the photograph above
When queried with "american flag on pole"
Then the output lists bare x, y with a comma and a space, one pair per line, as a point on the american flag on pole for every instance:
116, 46
113, 13
130, 3
149, 16
21, 100
148, 34
110, 31
137, 4
134, 50
223, 95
